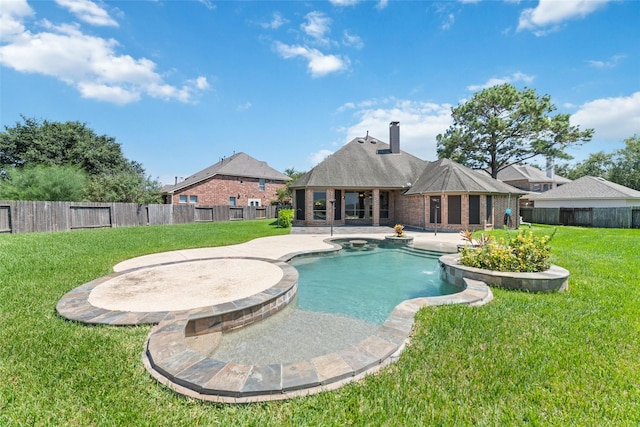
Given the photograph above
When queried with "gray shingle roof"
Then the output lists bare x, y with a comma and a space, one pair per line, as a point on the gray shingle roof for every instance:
240, 165
447, 176
528, 173
589, 187
364, 163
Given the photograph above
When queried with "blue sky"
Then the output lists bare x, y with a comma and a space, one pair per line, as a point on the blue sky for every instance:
181, 84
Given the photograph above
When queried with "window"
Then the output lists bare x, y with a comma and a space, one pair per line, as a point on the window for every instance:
320, 205
254, 202
300, 204
261, 184
454, 208
384, 204
193, 199
183, 198
354, 204
435, 214
474, 209
489, 200
232, 201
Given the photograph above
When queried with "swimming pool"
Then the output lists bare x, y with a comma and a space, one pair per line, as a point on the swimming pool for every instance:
342, 298
367, 284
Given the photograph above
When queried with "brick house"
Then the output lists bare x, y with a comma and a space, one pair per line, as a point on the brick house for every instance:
369, 182
239, 180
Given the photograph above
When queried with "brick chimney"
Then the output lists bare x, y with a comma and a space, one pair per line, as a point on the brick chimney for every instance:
394, 137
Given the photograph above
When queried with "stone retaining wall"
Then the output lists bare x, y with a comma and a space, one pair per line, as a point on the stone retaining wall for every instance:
554, 279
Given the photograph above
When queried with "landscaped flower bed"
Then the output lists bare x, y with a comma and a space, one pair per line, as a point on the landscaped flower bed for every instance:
521, 263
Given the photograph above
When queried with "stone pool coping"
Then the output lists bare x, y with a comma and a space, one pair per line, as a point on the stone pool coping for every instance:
75, 305
172, 360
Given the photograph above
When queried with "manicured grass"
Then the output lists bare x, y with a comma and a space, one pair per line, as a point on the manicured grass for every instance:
524, 359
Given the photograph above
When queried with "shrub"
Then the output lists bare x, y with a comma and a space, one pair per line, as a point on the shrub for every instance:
525, 253
398, 229
285, 218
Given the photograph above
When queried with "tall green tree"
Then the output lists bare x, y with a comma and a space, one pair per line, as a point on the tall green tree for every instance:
626, 165
597, 164
111, 176
43, 182
53, 143
284, 194
500, 126
125, 187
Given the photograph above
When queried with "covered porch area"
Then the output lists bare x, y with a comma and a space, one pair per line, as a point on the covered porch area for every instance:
344, 206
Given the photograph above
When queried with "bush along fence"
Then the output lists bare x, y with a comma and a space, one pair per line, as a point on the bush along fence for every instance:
29, 217
624, 217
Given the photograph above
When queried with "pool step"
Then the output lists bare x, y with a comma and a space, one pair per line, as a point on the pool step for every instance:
426, 253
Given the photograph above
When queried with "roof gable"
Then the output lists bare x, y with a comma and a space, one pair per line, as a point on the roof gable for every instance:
364, 163
589, 187
240, 165
447, 176
528, 173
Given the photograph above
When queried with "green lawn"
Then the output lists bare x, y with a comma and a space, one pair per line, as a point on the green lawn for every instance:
524, 359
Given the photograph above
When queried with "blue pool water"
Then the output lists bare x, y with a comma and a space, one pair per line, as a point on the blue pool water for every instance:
367, 285
342, 298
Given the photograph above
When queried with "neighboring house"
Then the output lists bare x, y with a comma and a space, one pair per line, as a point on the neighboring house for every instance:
239, 180
532, 180
369, 182
588, 192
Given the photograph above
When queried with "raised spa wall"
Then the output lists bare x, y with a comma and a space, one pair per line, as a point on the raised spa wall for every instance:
554, 279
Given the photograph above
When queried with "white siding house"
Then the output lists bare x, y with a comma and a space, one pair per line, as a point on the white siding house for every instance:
588, 192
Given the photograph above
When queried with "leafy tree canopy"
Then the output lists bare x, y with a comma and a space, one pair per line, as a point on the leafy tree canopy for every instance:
123, 187
597, 164
500, 126
622, 166
284, 194
626, 167
53, 143
72, 145
46, 183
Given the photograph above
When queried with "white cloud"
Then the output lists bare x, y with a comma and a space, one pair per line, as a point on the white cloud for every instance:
276, 22
243, 107
319, 64
551, 13
614, 119
208, 4
89, 12
494, 81
610, 63
12, 14
420, 123
342, 3
352, 40
317, 26
319, 156
448, 22
86, 62
382, 4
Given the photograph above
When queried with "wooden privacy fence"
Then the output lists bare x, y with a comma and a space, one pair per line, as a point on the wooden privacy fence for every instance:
29, 217
625, 217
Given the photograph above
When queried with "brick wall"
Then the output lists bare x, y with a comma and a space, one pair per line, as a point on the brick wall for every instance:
414, 211
218, 189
